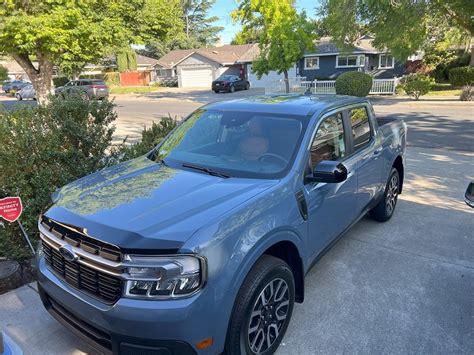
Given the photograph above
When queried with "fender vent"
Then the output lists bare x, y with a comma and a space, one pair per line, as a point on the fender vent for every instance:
302, 206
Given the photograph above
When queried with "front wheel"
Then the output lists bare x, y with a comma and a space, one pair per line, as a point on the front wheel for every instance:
18, 97
385, 208
232, 88
263, 308
247, 87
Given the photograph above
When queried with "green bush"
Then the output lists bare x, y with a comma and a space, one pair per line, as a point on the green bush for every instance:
60, 81
112, 78
48, 147
462, 76
150, 138
416, 85
353, 83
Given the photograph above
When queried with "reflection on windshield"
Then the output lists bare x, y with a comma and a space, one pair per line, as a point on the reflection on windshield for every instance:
241, 144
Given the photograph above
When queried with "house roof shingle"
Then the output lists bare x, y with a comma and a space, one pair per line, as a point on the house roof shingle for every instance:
227, 54
172, 58
325, 46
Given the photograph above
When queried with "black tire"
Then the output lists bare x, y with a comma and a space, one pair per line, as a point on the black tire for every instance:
247, 87
216, 91
267, 270
385, 208
18, 97
232, 88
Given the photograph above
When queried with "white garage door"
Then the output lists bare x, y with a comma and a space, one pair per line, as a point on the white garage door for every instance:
196, 77
265, 80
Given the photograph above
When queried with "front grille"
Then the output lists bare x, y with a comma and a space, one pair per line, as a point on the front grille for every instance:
80, 240
99, 285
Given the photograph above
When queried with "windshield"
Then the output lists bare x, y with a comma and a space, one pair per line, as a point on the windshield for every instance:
225, 78
239, 144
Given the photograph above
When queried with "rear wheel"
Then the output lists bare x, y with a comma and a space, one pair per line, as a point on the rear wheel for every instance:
263, 308
247, 86
385, 208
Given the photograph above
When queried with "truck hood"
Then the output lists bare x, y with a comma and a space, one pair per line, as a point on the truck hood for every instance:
140, 204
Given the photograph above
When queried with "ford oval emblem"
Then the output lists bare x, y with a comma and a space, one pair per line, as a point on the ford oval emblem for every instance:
67, 253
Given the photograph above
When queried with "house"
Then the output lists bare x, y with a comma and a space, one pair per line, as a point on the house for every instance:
326, 61
15, 71
197, 68
108, 64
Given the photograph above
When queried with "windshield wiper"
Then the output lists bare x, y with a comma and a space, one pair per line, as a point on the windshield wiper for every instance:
206, 170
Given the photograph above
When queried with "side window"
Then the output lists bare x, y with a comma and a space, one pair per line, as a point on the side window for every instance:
328, 144
361, 131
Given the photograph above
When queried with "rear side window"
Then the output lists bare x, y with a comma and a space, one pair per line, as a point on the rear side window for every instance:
361, 132
328, 144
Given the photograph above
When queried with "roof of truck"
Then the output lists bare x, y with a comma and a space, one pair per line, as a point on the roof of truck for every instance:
294, 104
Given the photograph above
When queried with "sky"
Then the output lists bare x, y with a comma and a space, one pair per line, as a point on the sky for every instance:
223, 8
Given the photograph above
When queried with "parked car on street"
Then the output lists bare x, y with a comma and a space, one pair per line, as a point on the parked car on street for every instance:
27, 92
14, 85
201, 246
89, 88
230, 83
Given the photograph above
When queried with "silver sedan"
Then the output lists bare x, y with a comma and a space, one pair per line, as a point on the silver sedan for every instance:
27, 92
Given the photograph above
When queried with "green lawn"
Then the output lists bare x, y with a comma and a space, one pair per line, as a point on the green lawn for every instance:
443, 89
133, 89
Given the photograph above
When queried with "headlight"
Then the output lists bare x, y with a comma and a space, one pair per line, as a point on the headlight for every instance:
164, 277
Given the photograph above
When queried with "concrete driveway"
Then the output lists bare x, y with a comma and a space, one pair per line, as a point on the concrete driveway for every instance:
405, 286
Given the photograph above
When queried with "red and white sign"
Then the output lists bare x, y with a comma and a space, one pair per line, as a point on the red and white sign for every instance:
10, 208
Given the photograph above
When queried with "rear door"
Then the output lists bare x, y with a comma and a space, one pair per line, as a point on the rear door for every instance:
331, 207
366, 149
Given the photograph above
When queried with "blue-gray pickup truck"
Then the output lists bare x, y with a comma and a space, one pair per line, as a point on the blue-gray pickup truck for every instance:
202, 245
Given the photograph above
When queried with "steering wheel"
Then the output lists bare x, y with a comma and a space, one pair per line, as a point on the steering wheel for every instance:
273, 155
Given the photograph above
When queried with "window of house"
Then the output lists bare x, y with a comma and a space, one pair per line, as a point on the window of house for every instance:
348, 61
386, 61
311, 63
361, 131
328, 144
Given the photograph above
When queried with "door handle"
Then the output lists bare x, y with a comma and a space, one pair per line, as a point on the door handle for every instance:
378, 151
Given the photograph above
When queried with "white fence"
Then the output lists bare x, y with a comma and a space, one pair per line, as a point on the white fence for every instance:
299, 85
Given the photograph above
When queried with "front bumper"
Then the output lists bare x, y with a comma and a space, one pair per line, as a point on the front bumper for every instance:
135, 326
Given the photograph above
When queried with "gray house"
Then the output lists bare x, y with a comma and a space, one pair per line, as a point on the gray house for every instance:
326, 61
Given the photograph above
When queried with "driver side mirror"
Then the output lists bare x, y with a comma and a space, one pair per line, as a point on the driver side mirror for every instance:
328, 171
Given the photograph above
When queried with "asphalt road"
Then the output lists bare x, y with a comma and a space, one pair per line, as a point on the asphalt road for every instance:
432, 123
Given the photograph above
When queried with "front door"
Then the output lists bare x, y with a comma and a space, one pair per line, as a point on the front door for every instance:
330, 206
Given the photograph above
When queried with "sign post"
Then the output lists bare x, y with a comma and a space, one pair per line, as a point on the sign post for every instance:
10, 210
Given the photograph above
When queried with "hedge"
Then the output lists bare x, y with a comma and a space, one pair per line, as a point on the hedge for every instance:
462, 76
353, 83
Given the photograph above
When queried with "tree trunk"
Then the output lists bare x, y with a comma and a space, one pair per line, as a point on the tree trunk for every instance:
287, 82
41, 78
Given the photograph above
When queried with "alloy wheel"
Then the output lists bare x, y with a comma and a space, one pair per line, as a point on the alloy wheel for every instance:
268, 315
392, 194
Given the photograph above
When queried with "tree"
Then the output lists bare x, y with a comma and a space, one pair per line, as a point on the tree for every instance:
64, 33
246, 37
3, 73
284, 34
198, 30
126, 60
403, 26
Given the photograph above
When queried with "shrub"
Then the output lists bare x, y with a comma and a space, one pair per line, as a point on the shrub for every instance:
467, 93
150, 138
416, 85
353, 83
462, 76
48, 146
60, 81
112, 78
